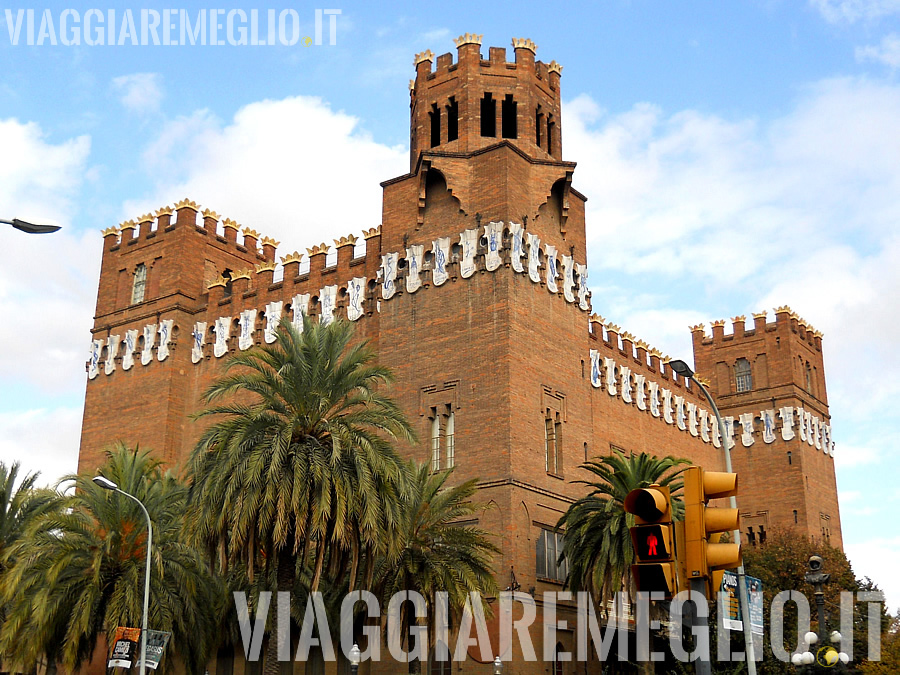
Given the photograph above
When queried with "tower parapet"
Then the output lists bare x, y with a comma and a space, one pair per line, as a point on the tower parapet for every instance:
772, 377
474, 102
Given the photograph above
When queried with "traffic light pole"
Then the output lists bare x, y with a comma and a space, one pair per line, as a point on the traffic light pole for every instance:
749, 650
702, 666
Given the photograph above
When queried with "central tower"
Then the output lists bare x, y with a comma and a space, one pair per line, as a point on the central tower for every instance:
490, 362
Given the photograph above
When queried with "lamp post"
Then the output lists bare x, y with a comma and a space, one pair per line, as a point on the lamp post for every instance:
107, 484
684, 370
498, 666
354, 658
818, 578
30, 228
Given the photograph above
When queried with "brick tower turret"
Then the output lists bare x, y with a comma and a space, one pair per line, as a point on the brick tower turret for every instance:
771, 379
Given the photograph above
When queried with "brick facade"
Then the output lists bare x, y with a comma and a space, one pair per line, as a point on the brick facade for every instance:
498, 349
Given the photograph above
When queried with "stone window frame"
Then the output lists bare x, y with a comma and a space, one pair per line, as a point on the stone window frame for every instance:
139, 284
438, 403
554, 413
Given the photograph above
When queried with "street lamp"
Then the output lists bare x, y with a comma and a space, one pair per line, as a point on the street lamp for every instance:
354, 658
498, 666
684, 370
31, 228
107, 484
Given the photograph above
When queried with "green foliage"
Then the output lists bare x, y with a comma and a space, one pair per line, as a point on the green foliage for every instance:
78, 570
781, 564
298, 474
597, 540
890, 652
434, 551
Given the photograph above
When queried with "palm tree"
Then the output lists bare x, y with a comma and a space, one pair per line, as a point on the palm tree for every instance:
597, 540
19, 505
78, 570
434, 551
299, 468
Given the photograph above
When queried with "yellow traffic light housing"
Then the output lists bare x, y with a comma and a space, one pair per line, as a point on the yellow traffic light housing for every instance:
703, 553
653, 539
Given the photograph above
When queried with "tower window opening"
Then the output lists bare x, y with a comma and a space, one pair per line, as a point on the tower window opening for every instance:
751, 536
551, 127
508, 113
450, 438
140, 284
742, 377
453, 120
488, 115
808, 378
762, 534
538, 124
790, 458
795, 516
435, 116
552, 441
435, 440
226, 274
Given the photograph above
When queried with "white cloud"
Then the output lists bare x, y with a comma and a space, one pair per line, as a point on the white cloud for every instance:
44, 440
851, 11
888, 52
47, 282
37, 178
293, 169
694, 217
139, 92
876, 559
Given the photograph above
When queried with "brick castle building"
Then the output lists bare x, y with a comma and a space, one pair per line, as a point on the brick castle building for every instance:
474, 290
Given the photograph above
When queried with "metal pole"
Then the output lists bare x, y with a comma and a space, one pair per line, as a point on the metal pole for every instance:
146, 583
820, 606
742, 578
702, 666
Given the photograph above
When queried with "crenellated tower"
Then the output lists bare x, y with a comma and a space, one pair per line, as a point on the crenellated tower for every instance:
770, 379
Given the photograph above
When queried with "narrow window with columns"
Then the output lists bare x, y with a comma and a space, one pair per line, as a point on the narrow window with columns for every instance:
435, 440
450, 437
139, 285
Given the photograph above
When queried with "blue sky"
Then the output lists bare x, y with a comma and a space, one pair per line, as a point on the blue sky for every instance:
737, 156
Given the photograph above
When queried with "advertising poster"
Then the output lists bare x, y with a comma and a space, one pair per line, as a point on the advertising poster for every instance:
125, 647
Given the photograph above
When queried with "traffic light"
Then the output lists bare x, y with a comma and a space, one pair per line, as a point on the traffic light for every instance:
653, 540
703, 554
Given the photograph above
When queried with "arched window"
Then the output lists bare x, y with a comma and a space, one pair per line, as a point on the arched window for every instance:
552, 441
808, 378
435, 440
450, 438
742, 377
557, 662
139, 285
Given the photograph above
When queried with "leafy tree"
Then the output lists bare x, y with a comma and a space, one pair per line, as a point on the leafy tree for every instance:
78, 570
781, 564
890, 652
597, 540
299, 467
434, 551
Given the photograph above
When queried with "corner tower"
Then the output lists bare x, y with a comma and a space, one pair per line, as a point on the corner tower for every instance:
770, 382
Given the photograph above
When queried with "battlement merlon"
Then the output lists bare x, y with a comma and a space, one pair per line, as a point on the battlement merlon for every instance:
469, 56
177, 253
786, 322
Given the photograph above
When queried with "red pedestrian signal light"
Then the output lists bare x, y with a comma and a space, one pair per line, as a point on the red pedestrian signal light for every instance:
653, 540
